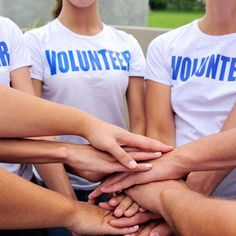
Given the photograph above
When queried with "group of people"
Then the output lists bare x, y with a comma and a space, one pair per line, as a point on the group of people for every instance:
157, 173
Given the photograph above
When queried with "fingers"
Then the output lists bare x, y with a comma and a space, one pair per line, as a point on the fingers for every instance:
139, 218
109, 181
147, 229
132, 210
142, 156
141, 209
123, 206
117, 167
106, 206
122, 231
163, 229
122, 183
122, 156
145, 143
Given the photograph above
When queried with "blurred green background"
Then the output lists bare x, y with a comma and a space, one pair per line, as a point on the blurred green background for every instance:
174, 13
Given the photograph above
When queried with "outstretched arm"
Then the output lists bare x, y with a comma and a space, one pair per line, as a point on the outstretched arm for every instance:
187, 212
36, 207
196, 156
205, 182
23, 115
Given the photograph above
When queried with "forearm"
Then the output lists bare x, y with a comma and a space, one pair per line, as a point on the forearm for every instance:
166, 136
215, 152
32, 202
189, 213
58, 182
205, 182
32, 151
38, 116
138, 126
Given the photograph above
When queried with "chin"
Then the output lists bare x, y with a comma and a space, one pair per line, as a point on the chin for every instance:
82, 3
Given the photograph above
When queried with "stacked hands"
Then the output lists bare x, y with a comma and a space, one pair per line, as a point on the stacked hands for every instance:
136, 197
136, 210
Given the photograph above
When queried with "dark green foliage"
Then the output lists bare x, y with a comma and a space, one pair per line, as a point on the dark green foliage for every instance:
178, 5
158, 4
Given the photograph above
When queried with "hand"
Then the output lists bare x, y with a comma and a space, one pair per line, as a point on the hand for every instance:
87, 158
86, 215
121, 205
161, 229
149, 195
110, 138
163, 169
153, 228
145, 229
139, 218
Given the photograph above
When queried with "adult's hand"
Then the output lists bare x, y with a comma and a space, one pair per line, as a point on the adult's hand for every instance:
111, 139
162, 169
98, 218
87, 158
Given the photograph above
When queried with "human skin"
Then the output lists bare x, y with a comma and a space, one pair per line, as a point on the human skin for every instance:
32, 202
160, 125
37, 117
83, 17
178, 205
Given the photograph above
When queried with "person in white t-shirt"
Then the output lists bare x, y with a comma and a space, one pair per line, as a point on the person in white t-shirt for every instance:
191, 76
79, 61
15, 60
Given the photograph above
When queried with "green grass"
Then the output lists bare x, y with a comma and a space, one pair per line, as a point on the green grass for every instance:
171, 19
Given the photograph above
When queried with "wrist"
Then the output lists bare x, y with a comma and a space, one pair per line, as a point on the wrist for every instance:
182, 159
62, 152
88, 125
71, 214
170, 199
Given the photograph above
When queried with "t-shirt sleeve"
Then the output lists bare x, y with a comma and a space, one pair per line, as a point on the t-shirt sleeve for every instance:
137, 61
155, 64
33, 44
19, 53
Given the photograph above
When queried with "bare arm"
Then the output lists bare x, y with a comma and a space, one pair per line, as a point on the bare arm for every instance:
53, 175
159, 115
195, 156
36, 207
135, 101
24, 115
206, 182
187, 212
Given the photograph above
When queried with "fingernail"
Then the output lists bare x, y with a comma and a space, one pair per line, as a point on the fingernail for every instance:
103, 189
113, 202
154, 234
148, 165
136, 227
158, 154
141, 209
133, 164
118, 212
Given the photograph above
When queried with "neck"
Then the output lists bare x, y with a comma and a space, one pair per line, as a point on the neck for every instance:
85, 21
220, 17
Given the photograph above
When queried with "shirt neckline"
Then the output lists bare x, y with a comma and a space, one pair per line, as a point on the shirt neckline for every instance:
98, 35
211, 37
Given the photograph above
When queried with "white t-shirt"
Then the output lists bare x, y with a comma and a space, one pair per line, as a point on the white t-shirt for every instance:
201, 71
13, 55
87, 72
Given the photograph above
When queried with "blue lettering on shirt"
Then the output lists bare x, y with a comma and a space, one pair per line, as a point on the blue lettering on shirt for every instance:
4, 54
216, 67
77, 60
